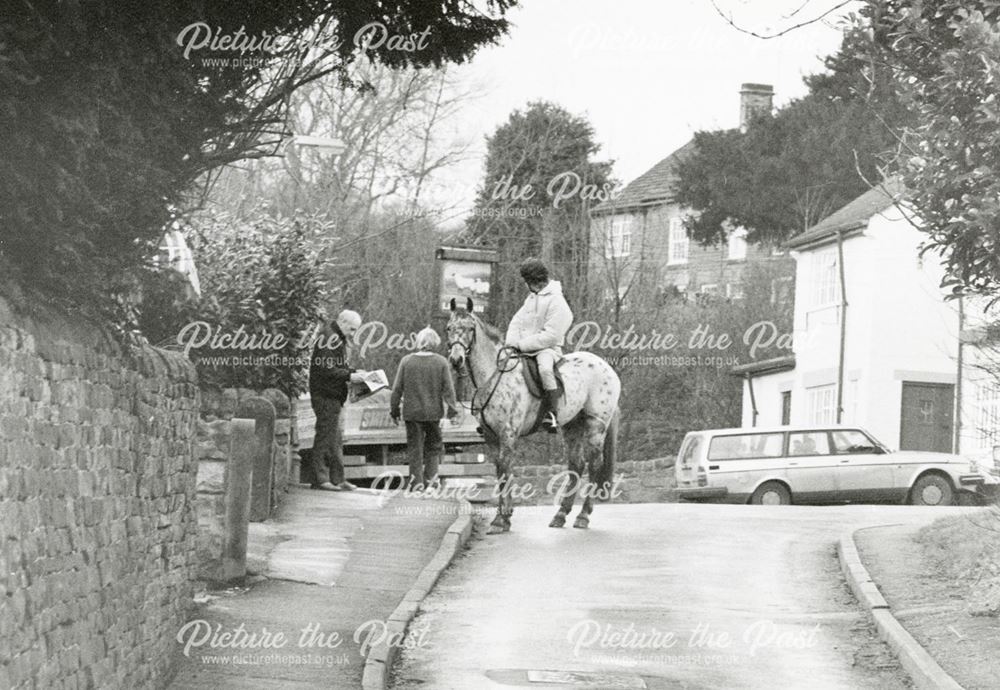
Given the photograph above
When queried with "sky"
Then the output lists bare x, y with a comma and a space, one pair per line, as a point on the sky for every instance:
647, 74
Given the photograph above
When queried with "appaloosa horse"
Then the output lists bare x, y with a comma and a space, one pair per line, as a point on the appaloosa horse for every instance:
588, 415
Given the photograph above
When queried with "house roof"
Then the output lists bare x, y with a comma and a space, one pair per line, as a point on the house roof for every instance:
853, 216
765, 366
652, 188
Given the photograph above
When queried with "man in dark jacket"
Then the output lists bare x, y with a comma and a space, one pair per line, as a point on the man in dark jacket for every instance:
329, 379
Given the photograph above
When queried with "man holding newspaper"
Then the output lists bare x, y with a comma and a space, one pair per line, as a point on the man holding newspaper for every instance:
329, 379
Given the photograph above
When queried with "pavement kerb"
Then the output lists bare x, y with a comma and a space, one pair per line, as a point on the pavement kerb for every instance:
926, 673
381, 656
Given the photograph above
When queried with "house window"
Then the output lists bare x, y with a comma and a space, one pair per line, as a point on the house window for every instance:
708, 294
678, 242
987, 414
782, 290
825, 288
822, 404
619, 237
737, 250
786, 408
176, 254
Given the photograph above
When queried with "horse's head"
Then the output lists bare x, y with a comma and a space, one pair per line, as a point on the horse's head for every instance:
461, 331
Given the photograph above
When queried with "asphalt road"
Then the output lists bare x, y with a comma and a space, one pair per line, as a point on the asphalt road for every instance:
656, 596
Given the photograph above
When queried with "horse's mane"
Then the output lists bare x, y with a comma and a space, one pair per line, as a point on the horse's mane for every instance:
492, 332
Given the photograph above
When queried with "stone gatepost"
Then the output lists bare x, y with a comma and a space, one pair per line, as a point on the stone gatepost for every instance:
263, 453
239, 476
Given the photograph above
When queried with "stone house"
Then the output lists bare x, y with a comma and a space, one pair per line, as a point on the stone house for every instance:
642, 230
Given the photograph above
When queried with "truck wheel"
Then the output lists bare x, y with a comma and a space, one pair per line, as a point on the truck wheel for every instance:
771, 494
932, 490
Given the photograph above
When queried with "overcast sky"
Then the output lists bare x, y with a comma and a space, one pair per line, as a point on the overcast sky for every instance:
645, 73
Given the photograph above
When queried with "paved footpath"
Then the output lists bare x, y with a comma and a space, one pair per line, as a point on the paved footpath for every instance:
331, 563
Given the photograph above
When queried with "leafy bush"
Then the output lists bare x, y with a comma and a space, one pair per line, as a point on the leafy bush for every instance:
261, 277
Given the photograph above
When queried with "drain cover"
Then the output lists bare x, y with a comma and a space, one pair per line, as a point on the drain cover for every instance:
585, 679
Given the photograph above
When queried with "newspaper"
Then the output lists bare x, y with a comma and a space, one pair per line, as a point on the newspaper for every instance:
371, 382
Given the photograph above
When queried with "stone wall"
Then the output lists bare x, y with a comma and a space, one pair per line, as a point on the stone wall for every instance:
640, 481
97, 485
218, 405
213, 450
637, 481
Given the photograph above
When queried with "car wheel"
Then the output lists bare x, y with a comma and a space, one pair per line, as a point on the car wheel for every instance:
932, 490
771, 494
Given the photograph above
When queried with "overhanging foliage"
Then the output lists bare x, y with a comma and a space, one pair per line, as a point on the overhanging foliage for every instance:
107, 123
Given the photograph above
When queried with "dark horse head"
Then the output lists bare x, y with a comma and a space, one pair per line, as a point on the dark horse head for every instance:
461, 331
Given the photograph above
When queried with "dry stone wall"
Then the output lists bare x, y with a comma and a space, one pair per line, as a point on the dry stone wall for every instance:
97, 488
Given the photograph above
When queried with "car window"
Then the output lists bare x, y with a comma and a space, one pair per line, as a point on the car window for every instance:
808, 443
690, 450
852, 441
743, 446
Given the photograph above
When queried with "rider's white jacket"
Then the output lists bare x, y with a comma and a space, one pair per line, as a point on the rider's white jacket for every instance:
542, 321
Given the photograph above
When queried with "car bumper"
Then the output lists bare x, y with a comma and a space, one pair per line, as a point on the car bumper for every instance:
985, 485
701, 493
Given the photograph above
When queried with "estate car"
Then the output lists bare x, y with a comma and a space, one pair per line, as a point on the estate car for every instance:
820, 465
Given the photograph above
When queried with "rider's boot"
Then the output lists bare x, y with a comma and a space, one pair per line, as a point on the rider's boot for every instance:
551, 422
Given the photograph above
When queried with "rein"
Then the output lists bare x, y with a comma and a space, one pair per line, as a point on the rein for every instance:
504, 355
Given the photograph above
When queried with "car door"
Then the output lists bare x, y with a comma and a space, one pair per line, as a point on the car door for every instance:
864, 472
811, 466
740, 462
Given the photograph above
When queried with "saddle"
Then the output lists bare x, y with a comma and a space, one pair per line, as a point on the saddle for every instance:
533, 380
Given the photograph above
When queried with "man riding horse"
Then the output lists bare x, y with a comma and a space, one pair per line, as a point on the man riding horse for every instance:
539, 329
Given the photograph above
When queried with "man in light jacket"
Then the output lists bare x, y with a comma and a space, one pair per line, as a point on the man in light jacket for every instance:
539, 328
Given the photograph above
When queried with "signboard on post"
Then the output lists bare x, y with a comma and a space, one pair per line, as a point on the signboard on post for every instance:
464, 272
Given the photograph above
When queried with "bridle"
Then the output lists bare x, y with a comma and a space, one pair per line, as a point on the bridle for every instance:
504, 356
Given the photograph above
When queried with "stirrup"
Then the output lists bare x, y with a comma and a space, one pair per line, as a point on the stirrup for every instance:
551, 423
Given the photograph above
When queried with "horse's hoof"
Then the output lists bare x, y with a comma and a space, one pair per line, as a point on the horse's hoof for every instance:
581, 522
558, 521
499, 526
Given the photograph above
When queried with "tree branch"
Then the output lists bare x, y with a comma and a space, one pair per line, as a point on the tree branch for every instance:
729, 20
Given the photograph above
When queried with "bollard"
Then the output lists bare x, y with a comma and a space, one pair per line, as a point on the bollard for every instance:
239, 475
263, 413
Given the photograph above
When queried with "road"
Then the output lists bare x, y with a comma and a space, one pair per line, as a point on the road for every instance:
656, 596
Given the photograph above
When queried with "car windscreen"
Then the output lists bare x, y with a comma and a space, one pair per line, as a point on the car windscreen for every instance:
848, 441
746, 446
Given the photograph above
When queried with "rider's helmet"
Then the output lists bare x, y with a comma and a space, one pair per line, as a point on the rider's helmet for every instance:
534, 271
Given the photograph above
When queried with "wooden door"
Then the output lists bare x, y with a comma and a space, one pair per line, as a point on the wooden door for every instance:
927, 418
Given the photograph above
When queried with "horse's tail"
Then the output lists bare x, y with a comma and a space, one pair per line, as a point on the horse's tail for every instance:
605, 475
